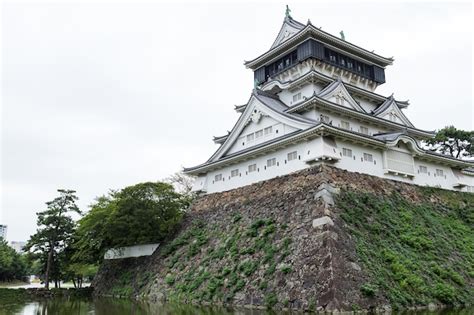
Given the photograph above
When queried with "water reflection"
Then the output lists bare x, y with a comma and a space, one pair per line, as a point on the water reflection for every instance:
108, 306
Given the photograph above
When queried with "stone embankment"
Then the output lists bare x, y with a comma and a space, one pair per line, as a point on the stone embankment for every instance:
321, 239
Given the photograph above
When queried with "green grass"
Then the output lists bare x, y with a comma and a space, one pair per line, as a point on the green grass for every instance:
415, 253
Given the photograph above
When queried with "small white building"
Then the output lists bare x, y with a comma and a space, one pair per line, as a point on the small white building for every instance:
315, 102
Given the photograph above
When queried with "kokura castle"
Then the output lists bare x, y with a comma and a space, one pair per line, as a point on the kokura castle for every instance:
315, 101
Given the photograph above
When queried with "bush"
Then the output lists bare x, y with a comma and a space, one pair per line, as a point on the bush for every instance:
248, 268
169, 280
369, 290
271, 299
445, 293
285, 269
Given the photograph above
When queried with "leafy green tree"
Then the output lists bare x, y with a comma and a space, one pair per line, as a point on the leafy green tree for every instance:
13, 265
54, 233
139, 214
454, 142
78, 272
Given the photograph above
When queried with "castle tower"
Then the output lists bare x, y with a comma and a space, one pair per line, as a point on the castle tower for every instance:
314, 101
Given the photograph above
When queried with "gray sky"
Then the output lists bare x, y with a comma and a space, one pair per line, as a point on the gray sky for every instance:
101, 96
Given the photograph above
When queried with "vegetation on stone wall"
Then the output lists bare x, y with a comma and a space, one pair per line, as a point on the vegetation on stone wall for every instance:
247, 255
386, 243
415, 253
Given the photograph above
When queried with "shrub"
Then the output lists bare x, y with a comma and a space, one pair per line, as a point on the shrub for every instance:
263, 285
271, 299
445, 293
253, 229
169, 279
285, 269
271, 269
239, 285
248, 267
237, 218
369, 290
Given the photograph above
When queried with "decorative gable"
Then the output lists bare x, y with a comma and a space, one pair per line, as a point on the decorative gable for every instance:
337, 93
289, 28
256, 117
389, 110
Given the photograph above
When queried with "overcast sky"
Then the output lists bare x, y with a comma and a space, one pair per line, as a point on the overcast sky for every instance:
101, 96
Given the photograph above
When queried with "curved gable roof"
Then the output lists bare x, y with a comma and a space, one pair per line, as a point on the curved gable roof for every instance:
390, 105
338, 87
288, 29
269, 104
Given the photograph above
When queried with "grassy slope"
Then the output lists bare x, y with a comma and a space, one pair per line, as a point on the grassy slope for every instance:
415, 253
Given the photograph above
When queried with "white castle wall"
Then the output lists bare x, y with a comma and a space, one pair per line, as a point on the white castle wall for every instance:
336, 121
307, 90
131, 251
278, 129
309, 149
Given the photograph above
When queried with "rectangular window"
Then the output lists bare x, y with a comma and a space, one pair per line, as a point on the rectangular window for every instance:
292, 156
297, 97
345, 125
271, 162
259, 134
250, 137
268, 130
218, 177
234, 173
364, 130
423, 169
252, 168
368, 157
346, 152
439, 172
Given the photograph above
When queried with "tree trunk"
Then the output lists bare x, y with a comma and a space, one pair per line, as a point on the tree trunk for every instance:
48, 267
74, 282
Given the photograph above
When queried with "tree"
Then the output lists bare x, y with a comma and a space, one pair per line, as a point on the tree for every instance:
77, 272
13, 265
91, 237
454, 142
139, 214
181, 182
54, 233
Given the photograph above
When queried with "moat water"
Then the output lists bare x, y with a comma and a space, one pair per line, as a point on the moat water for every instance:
109, 306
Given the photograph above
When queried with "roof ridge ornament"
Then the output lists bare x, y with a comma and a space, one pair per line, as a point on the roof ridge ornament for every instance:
287, 12
343, 37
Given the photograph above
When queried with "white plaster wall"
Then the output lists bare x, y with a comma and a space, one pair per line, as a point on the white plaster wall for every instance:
336, 121
286, 96
310, 149
430, 179
278, 130
131, 251
262, 172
